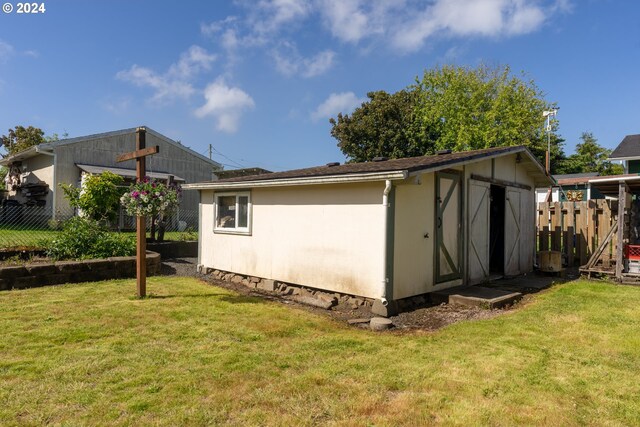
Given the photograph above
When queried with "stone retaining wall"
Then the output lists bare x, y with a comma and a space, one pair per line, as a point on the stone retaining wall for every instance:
56, 273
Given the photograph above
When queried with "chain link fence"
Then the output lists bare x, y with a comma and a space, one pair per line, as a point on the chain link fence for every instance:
31, 227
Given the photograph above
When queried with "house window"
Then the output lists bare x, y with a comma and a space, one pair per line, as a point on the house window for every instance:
233, 212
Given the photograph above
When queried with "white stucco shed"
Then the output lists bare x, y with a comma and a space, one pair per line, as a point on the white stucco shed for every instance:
385, 230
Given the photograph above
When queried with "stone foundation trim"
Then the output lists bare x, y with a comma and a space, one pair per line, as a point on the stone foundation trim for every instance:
300, 293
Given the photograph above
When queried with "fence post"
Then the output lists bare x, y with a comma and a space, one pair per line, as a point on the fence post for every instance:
543, 226
570, 232
556, 227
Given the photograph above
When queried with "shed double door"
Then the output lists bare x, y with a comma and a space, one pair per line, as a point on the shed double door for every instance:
519, 231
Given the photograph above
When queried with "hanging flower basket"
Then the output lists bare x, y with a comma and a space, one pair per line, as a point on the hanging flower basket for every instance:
150, 197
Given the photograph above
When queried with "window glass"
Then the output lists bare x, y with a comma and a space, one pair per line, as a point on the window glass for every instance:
226, 217
243, 211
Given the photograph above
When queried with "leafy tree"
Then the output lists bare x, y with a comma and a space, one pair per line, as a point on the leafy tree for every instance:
20, 138
450, 107
380, 127
590, 157
98, 198
54, 137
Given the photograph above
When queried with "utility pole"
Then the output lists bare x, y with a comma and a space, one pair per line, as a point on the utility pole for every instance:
548, 114
210, 152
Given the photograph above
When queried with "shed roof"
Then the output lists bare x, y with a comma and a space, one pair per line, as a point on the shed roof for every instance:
629, 148
376, 170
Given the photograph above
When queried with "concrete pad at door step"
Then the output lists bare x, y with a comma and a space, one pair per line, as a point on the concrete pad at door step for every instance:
476, 296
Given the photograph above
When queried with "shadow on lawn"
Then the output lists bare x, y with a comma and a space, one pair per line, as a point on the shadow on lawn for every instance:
232, 299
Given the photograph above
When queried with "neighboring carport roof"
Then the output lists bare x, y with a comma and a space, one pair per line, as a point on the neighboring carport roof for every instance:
609, 185
629, 148
377, 170
127, 173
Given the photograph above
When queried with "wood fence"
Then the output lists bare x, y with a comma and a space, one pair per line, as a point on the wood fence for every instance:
577, 228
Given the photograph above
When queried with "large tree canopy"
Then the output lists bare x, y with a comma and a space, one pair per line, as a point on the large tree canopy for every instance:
380, 127
20, 138
450, 107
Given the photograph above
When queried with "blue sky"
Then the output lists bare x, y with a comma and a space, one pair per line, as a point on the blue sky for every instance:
259, 79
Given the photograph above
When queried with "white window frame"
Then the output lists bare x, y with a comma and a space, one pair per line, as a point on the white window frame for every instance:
236, 230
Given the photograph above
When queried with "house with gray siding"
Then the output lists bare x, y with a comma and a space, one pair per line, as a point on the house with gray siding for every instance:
35, 174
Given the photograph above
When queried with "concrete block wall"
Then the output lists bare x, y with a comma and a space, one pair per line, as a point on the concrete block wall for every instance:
56, 273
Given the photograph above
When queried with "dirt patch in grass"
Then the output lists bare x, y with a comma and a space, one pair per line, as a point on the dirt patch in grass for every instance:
427, 318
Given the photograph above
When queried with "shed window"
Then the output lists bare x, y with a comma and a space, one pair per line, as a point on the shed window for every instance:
232, 212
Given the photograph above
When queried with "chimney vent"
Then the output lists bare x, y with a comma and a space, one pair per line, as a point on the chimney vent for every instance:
380, 159
442, 152
332, 164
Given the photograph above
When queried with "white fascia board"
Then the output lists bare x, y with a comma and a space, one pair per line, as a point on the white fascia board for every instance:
625, 158
615, 179
331, 179
28, 153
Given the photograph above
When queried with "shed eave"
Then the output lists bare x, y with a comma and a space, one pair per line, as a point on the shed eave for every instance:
330, 179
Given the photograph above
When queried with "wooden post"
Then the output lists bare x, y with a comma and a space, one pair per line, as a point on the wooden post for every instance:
582, 232
556, 227
570, 233
622, 203
141, 226
543, 226
141, 220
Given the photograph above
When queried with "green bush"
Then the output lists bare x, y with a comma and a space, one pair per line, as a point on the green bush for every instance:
83, 238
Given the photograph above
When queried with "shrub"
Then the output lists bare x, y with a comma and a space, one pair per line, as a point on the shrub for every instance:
98, 198
83, 238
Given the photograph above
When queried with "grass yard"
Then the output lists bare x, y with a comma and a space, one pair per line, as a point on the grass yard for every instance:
194, 354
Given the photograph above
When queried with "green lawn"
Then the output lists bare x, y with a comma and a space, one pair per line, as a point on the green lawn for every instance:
90, 354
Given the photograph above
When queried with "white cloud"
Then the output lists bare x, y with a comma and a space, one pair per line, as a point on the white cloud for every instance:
346, 20
6, 50
165, 88
289, 62
226, 104
270, 16
117, 106
404, 26
191, 62
176, 81
31, 53
336, 103
461, 18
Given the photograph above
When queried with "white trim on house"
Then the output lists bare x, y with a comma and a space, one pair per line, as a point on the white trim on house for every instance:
331, 179
237, 213
625, 158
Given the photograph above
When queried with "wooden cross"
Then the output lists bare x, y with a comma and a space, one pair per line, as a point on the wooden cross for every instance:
141, 227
